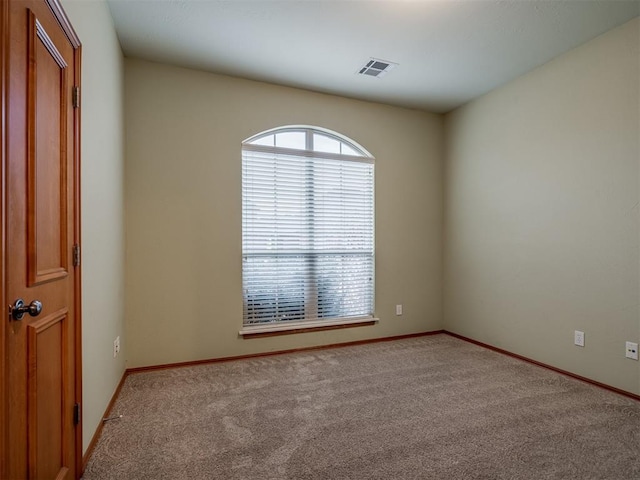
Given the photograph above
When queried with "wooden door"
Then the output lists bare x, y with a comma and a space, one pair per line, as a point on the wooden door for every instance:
41, 368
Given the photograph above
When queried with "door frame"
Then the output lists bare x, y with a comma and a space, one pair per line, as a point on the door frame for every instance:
59, 14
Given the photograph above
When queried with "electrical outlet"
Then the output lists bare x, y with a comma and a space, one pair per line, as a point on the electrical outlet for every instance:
631, 350
116, 346
398, 309
578, 338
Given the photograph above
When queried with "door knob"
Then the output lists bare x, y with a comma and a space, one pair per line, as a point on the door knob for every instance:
19, 309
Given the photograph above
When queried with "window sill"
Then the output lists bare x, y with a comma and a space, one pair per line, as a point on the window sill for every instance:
303, 327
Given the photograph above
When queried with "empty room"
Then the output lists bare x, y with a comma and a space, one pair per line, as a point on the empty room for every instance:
320, 239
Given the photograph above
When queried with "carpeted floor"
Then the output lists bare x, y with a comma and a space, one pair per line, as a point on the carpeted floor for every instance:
424, 408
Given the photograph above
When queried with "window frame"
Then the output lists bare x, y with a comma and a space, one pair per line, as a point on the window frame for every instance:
311, 324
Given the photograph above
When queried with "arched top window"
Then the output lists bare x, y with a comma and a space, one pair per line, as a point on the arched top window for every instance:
307, 139
307, 230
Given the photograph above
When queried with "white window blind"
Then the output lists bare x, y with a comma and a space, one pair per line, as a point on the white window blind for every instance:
307, 229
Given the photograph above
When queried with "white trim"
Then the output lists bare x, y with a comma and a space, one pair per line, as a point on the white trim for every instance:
307, 253
293, 152
288, 326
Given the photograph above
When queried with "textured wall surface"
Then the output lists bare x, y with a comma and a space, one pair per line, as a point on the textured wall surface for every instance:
102, 207
541, 212
183, 219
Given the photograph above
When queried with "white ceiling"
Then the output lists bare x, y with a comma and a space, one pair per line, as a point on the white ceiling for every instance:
449, 51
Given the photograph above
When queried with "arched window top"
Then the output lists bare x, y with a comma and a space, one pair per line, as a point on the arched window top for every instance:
310, 140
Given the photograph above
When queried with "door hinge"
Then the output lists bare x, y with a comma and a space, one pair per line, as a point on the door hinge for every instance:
76, 255
76, 97
76, 414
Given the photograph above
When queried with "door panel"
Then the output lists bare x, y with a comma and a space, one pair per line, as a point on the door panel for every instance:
40, 194
46, 394
48, 101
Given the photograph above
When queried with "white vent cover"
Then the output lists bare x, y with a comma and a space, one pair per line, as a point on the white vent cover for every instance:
377, 68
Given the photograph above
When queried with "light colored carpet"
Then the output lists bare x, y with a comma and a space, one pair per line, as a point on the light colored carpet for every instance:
423, 408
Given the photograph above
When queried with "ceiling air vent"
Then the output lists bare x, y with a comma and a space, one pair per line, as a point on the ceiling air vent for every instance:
377, 68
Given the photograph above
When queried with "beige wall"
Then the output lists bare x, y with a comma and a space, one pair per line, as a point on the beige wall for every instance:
541, 209
183, 219
102, 207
